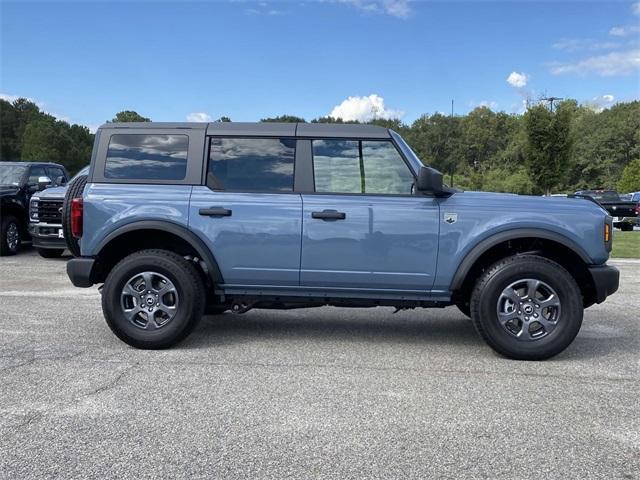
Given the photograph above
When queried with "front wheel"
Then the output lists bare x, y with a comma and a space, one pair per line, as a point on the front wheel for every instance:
153, 299
527, 307
9, 236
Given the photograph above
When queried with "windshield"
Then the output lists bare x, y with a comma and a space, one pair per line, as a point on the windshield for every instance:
406, 150
11, 174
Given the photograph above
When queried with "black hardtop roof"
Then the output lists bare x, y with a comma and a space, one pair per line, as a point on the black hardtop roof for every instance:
260, 129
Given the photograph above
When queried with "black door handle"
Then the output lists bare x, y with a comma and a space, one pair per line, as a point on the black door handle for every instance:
329, 215
215, 212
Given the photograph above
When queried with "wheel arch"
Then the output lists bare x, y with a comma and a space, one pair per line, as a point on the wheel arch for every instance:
154, 234
545, 243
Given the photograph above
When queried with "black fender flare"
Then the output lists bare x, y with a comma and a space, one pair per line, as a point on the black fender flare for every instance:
484, 245
176, 229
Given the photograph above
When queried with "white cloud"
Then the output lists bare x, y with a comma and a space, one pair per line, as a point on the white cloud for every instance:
364, 109
199, 117
493, 105
624, 31
395, 8
602, 102
518, 80
577, 44
614, 63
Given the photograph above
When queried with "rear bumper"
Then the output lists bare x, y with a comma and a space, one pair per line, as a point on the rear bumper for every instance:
80, 271
606, 280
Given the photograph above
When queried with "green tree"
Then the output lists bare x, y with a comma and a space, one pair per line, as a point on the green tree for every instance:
40, 141
549, 145
283, 119
129, 116
630, 180
223, 119
329, 119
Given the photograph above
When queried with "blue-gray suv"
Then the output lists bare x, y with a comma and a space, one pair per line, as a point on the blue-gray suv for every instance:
181, 219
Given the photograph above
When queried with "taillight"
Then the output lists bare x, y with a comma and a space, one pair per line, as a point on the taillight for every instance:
76, 217
607, 233
638, 209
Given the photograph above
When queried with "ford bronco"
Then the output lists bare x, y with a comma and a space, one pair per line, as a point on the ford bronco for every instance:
179, 219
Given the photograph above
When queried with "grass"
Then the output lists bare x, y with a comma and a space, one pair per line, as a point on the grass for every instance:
626, 244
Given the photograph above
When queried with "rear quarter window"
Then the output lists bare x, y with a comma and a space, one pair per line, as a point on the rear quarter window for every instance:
147, 157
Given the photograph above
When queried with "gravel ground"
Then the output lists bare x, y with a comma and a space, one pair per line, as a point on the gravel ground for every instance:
317, 393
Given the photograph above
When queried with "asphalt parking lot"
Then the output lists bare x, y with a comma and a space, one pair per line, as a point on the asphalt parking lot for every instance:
318, 393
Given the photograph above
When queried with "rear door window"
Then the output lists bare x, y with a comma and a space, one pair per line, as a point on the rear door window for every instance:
251, 164
147, 157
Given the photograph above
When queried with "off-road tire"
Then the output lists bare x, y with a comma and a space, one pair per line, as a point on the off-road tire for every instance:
180, 272
74, 190
484, 302
50, 252
7, 222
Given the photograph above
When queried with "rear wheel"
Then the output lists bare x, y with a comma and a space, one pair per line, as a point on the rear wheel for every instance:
9, 236
74, 190
153, 299
527, 307
50, 252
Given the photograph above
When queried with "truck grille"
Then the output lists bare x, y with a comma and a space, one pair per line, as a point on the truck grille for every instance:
50, 211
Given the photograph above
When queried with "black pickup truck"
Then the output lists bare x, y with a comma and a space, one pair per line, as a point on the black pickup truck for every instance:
622, 211
18, 182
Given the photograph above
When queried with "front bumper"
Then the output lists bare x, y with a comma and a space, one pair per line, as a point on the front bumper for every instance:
80, 271
44, 235
606, 280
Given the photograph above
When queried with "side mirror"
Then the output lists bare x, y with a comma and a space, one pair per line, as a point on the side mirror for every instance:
429, 180
61, 181
43, 182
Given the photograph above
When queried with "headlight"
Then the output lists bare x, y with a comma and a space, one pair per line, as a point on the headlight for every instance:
33, 210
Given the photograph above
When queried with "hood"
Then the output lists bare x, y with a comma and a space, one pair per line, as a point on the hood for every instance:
51, 193
509, 201
8, 190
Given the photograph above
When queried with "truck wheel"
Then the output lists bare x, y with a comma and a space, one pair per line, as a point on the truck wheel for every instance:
527, 307
9, 236
153, 299
626, 227
50, 252
74, 190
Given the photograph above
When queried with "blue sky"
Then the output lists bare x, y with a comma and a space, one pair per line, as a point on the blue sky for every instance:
85, 61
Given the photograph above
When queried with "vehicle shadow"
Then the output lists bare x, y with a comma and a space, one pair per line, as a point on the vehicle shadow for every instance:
331, 325
447, 328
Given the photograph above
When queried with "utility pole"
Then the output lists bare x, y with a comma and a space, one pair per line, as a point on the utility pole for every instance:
551, 100
451, 166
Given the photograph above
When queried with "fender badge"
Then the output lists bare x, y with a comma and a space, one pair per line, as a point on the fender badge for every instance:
450, 218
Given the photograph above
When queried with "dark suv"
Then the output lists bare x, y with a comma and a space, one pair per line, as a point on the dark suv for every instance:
18, 182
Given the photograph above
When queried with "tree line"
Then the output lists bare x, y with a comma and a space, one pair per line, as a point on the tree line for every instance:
541, 151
